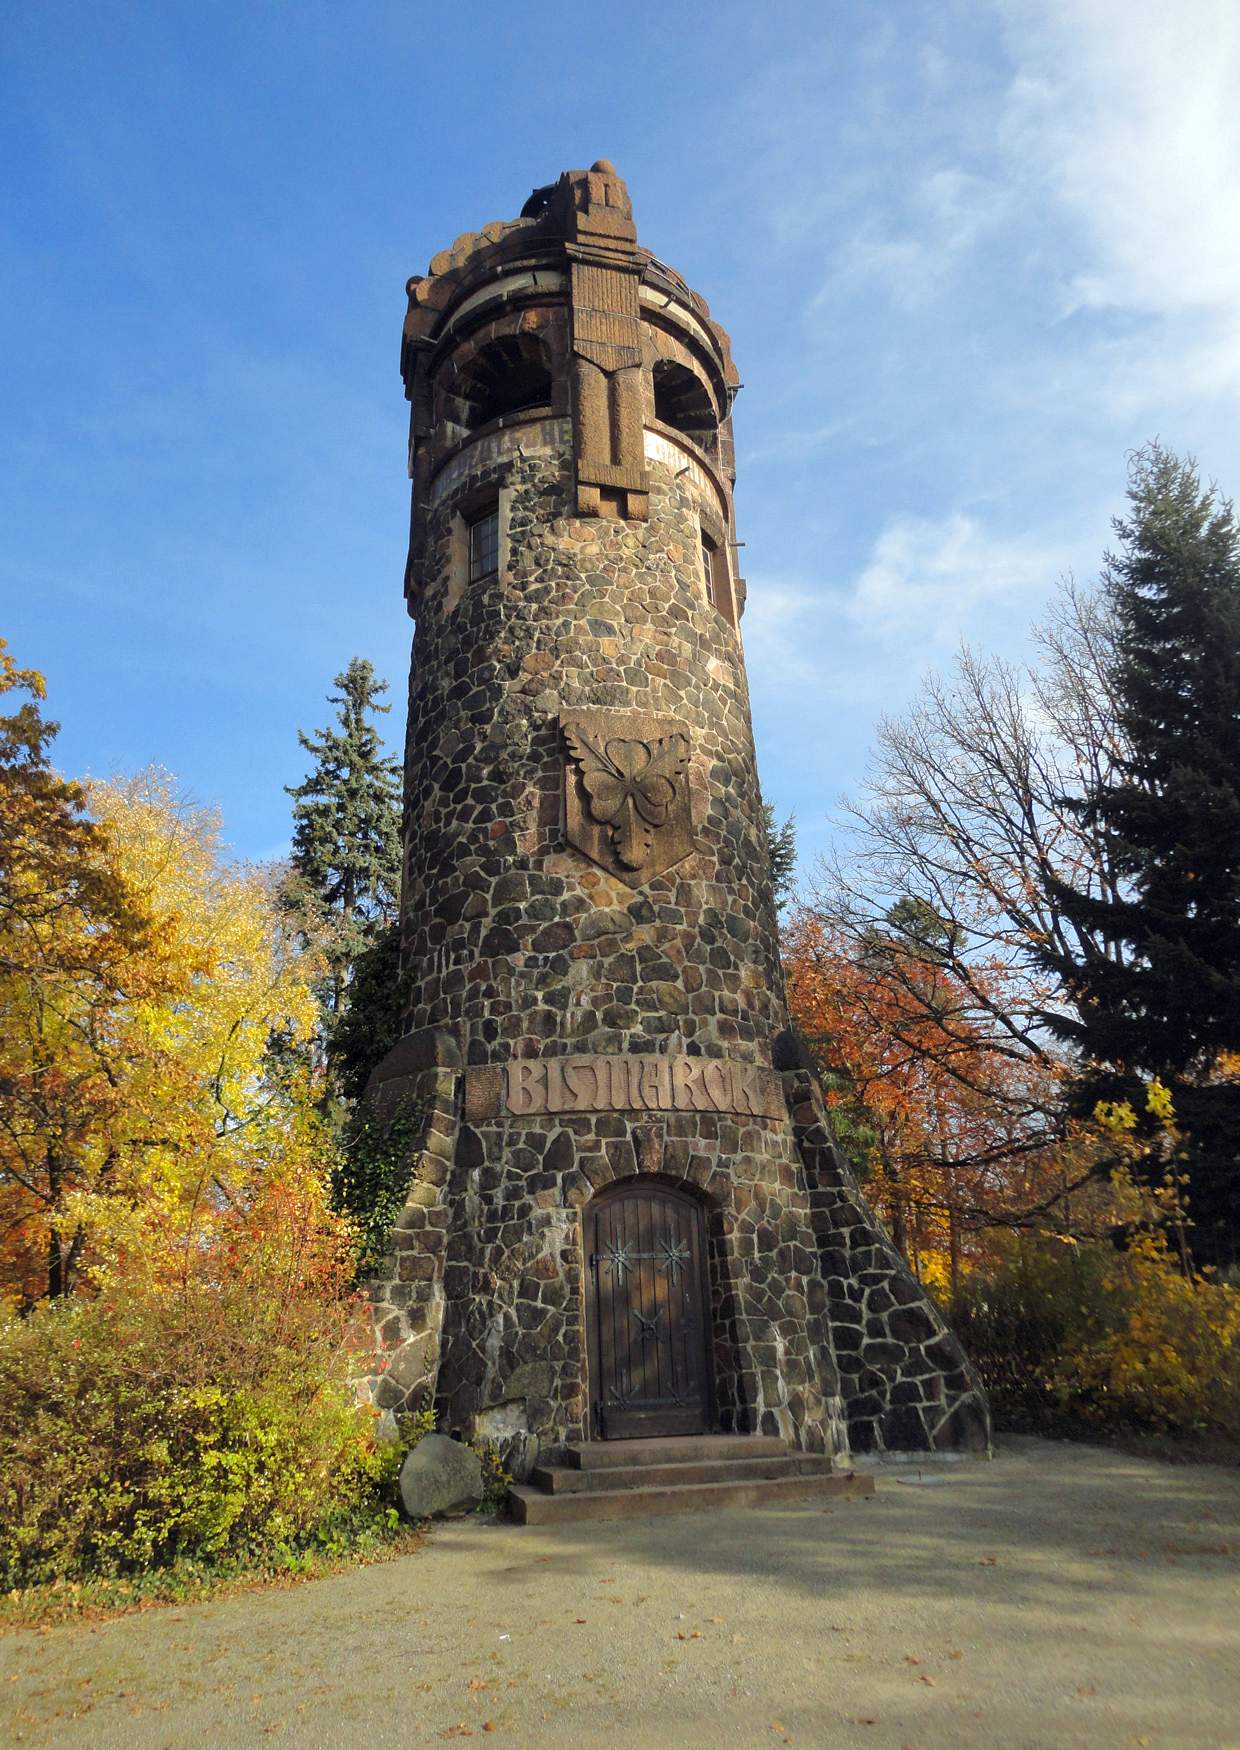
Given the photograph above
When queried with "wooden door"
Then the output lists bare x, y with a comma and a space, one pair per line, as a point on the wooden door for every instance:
648, 1313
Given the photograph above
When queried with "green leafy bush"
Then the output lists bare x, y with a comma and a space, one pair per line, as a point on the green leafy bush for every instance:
1065, 1335
203, 1413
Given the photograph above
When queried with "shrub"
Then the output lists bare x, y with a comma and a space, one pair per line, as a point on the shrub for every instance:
201, 1412
1117, 1340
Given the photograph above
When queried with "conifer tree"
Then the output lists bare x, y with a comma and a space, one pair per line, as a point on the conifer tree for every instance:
346, 833
1168, 1005
781, 850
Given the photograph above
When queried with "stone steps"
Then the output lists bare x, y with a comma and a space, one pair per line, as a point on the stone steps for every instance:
562, 1480
671, 1449
626, 1479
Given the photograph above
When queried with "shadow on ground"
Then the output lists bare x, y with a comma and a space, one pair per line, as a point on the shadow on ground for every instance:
1062, 1595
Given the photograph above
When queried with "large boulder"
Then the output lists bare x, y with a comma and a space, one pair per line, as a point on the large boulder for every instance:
440, 1476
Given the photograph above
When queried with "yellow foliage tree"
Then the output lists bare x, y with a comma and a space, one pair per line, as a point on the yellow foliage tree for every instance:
154, 1011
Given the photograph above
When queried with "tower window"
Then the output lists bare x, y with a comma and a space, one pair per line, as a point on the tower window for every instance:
507, 376
681, 401
716, 575
484, 545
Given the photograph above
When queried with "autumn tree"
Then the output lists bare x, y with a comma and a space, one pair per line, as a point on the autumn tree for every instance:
346, 830
75, 945
143, 979
970, 815
945, 1135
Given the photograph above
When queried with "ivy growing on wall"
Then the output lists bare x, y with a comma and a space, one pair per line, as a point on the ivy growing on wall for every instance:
371, 1178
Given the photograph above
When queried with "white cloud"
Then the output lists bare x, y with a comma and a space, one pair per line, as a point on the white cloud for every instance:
950, 209
779, 628
925, 586
926, 580
1125, 113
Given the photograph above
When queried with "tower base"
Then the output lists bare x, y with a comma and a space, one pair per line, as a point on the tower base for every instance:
584, 1276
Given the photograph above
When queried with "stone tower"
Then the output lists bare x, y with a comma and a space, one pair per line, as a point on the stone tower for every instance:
625, 1214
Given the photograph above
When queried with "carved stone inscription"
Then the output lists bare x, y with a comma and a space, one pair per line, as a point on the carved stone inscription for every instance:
531, 1086
627, 800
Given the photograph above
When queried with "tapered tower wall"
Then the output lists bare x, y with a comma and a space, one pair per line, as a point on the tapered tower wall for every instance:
588, 934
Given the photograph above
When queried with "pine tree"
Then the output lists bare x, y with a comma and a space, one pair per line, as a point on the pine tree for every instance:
1168, 1004
346, 835
781, 850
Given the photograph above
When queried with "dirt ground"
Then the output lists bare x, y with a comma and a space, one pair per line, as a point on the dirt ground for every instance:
1062, 1595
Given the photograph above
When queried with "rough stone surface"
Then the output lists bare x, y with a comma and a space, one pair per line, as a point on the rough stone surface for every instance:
440, 1476
567, 903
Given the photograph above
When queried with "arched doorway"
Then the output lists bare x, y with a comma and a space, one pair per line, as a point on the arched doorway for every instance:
647, 1313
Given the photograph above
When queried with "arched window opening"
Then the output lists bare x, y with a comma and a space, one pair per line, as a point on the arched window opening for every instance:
507, 376
681, 400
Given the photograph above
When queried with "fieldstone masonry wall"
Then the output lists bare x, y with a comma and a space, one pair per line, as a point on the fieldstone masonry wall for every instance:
586, 900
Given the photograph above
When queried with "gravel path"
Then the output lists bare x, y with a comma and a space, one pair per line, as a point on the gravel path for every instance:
1062, 1595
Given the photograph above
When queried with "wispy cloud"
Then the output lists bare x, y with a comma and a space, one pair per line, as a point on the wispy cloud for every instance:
927, 579
949, 210
1124, 113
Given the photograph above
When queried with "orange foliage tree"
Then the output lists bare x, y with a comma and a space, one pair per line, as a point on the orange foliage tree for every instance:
143, 981
959, 1133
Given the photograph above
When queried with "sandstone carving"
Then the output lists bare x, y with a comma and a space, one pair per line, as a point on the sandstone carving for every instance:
673, 1083
627, 792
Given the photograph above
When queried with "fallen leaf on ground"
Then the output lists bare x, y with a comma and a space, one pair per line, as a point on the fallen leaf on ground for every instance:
956, 1655
989, 1562
910, 1660
863, 1720
926, 1678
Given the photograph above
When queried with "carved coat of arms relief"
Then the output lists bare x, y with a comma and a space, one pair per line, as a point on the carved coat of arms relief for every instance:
627, 791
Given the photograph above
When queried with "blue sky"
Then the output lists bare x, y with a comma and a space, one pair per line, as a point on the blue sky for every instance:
969, 254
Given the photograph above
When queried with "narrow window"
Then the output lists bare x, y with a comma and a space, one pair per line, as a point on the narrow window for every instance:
484, 545
716, 575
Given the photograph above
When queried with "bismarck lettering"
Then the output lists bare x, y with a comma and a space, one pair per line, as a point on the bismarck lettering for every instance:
623, 1084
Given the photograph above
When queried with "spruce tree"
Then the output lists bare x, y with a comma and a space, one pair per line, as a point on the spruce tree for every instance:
346, 832
781, 850
1168, 1005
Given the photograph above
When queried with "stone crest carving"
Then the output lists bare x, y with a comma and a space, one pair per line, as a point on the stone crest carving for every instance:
627, 791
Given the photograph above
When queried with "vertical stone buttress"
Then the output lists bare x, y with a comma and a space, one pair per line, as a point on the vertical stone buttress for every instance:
589, 936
